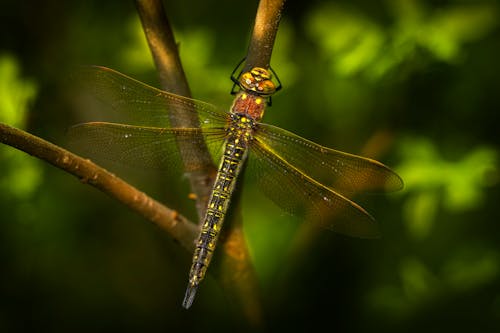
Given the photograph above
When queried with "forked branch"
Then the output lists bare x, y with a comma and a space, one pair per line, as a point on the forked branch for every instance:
236, 271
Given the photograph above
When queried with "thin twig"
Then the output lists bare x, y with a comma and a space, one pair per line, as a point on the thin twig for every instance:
168, 64
89, 173
264, 34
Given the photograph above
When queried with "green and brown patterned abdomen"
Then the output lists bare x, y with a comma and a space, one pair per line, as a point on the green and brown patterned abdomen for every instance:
235, 152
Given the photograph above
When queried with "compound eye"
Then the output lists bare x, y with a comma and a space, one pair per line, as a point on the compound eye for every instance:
266, 87
258, 80
260, 73
247, 78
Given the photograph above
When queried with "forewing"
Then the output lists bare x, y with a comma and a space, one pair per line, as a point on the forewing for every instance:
137, 103
139, 146
342, 172
299, 194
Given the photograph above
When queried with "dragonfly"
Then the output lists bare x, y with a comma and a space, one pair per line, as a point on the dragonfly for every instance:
300, 176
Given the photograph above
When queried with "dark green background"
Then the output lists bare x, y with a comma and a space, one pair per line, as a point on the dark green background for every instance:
412, 83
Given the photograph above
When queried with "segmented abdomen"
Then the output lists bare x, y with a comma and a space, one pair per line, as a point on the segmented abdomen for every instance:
235, 151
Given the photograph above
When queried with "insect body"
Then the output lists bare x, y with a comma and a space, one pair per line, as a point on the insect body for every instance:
247, 108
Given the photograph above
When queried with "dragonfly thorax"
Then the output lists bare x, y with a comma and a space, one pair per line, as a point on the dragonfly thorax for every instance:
250, 105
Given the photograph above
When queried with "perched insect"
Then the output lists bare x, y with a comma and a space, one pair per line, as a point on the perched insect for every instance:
300, 176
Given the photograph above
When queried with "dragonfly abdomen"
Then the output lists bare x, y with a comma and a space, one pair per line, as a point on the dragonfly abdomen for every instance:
235, 152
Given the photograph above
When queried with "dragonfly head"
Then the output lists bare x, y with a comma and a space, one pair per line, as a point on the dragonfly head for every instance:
258, 80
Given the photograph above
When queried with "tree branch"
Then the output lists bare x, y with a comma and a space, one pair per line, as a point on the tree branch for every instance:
264, 34
168, 64
89, 173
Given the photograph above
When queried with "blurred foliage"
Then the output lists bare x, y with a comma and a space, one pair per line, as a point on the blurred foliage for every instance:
356, 44
15, 93
21, 174
419, 287
413, 83
431, 181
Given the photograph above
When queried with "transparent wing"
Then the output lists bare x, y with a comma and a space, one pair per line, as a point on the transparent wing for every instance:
141, 146
342, 172
139, 104
298, 194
